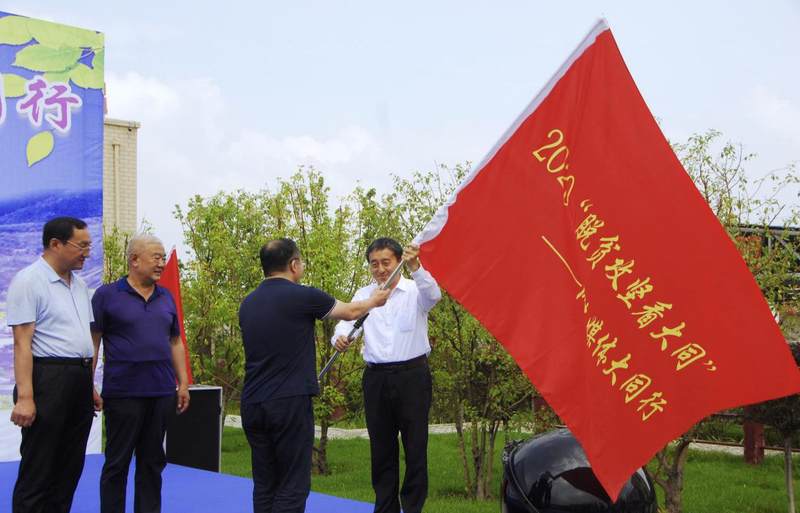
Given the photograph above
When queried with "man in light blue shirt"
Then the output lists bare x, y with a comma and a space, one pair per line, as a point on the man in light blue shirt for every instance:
49, 311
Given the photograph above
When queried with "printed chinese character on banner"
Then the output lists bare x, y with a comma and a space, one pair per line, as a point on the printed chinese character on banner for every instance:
52, 102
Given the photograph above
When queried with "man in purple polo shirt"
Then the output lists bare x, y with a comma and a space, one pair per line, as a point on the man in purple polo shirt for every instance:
138, 323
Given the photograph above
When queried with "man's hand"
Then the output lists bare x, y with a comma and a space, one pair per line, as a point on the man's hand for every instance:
342, 343
183, 398
98, 401
24, 413
379, 297
411, 257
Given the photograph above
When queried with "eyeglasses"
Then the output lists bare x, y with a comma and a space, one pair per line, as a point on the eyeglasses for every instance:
83, 246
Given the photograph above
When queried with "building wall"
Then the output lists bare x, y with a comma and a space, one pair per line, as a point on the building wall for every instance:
119, 174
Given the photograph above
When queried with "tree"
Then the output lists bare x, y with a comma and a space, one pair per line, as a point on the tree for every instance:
749, 211
784, 415
115, 263
481, 386
224, 234
332, 242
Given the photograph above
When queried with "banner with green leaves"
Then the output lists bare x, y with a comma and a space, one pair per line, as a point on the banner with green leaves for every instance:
51, 146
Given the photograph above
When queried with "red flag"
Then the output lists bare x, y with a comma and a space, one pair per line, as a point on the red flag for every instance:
170, 280
583, 246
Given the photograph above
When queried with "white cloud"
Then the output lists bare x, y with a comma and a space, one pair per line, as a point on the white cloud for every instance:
190, 144
133, 96
776, 114
350, 144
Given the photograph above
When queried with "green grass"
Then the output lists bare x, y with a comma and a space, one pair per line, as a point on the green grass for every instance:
723, 483
714, 482
350, 472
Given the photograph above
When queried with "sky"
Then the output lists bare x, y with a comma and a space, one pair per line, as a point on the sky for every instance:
233, 95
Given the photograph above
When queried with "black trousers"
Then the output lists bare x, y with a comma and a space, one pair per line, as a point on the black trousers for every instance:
281, 437
397, 399
135, 424
53, 448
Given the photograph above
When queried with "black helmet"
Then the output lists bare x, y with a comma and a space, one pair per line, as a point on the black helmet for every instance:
550, 473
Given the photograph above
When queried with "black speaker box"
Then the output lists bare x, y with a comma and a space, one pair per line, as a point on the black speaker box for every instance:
194, 438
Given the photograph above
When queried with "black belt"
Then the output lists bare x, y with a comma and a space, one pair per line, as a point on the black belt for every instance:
419, 361
56, 360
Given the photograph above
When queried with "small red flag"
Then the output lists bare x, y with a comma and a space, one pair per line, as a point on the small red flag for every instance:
170, 280
582, 245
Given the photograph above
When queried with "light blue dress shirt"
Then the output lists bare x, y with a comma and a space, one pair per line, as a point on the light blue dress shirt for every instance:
62, 312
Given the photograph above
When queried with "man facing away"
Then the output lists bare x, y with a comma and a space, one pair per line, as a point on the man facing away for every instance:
49, 311
137, 321
397, 380
277, 324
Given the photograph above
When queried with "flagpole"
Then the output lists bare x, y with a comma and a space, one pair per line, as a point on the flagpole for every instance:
359, 322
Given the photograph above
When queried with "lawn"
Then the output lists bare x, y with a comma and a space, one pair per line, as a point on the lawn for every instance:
723, 483
715, 482
349, 461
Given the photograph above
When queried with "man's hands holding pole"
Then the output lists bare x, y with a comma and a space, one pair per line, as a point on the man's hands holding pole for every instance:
342, 343
382, 292
411, 257
380, 295
410, 260
378, 298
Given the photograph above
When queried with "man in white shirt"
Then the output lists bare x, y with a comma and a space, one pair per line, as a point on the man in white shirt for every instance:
397, 379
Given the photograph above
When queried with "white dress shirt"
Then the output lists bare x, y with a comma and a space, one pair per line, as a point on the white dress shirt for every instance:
398, 330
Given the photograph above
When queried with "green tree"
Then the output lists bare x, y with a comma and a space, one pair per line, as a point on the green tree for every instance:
224, 234
115, 263
330, 239
478, 385
784, 415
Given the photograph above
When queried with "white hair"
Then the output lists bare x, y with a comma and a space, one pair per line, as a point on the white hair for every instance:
139, 240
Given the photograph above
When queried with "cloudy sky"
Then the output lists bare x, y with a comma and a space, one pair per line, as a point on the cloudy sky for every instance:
234, 94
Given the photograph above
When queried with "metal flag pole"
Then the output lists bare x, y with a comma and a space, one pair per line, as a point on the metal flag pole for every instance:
357, 325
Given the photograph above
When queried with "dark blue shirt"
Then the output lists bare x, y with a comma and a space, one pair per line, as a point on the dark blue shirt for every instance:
277, 323
136, 340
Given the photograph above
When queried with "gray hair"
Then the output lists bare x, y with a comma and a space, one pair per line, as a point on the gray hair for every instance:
139, 240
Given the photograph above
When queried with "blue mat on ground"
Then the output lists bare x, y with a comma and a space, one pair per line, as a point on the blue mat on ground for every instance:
185, 490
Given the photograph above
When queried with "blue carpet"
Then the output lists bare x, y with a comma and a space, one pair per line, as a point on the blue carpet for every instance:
185, 490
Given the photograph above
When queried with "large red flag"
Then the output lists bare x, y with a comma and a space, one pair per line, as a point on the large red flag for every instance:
583, 246
171, 280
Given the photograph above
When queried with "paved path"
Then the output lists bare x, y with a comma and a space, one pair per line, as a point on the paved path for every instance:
437, 429
346, 434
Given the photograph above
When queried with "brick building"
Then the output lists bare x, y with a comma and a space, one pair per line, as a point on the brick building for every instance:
119, 174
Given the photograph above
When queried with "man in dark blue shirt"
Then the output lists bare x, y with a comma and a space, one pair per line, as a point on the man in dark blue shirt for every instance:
277, 324
138, 323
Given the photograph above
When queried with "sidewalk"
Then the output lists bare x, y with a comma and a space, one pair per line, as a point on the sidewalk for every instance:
334, 433
235, 421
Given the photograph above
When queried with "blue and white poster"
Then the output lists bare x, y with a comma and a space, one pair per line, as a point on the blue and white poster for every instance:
51, 157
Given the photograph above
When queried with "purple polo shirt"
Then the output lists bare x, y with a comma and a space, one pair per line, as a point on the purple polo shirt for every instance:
136, 340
